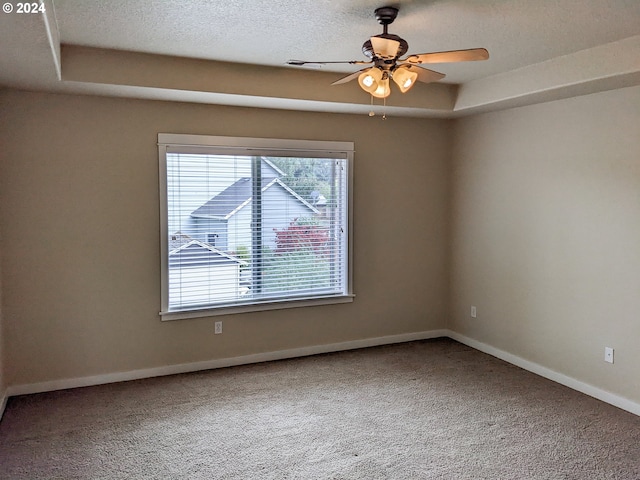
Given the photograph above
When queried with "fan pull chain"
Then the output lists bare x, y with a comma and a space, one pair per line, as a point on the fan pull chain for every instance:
384, 107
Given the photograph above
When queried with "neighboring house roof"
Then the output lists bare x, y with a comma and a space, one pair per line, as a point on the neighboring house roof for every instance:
177, 240
275, 168
195, 253
224, 205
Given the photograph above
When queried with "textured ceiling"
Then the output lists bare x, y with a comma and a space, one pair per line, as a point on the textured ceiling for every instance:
516, 32
519, 34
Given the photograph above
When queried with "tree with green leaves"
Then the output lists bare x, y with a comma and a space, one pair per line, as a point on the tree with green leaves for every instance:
305, 175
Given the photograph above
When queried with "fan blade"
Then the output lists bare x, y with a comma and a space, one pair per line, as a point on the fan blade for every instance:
385, 47
302, 63
448, 57
424, 74
350, 77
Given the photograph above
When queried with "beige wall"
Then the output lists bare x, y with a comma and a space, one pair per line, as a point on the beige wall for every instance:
543, 204
80, 223
546, 235
3, 385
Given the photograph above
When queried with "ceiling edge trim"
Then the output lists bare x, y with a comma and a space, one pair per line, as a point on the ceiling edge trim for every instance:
605, 67
53, 35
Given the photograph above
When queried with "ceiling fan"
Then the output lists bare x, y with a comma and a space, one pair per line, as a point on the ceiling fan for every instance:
385, 51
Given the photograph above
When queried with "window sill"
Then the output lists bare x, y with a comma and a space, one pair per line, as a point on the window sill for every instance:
256, 307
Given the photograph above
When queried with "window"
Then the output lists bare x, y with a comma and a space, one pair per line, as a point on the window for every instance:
253, 224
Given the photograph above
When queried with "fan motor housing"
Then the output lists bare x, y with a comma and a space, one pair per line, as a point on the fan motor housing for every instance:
367, 48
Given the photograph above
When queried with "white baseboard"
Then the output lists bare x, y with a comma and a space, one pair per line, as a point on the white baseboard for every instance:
221, 363
560, 378
615, 400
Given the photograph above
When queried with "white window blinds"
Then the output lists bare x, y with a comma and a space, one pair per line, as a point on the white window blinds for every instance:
250, 222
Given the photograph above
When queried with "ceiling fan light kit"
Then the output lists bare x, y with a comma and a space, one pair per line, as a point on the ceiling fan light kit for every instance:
376, 81
384, 51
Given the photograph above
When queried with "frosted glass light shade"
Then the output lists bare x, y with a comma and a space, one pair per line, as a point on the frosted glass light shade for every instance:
370, 79
383, 90
404, 78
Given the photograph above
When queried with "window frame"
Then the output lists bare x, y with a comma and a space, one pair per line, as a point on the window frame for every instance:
188, 143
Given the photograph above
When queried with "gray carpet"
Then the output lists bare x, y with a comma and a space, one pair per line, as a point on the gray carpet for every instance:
422, 410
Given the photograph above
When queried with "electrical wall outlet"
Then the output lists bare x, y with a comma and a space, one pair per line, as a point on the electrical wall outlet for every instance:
474, 312
608, 354
217, 328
